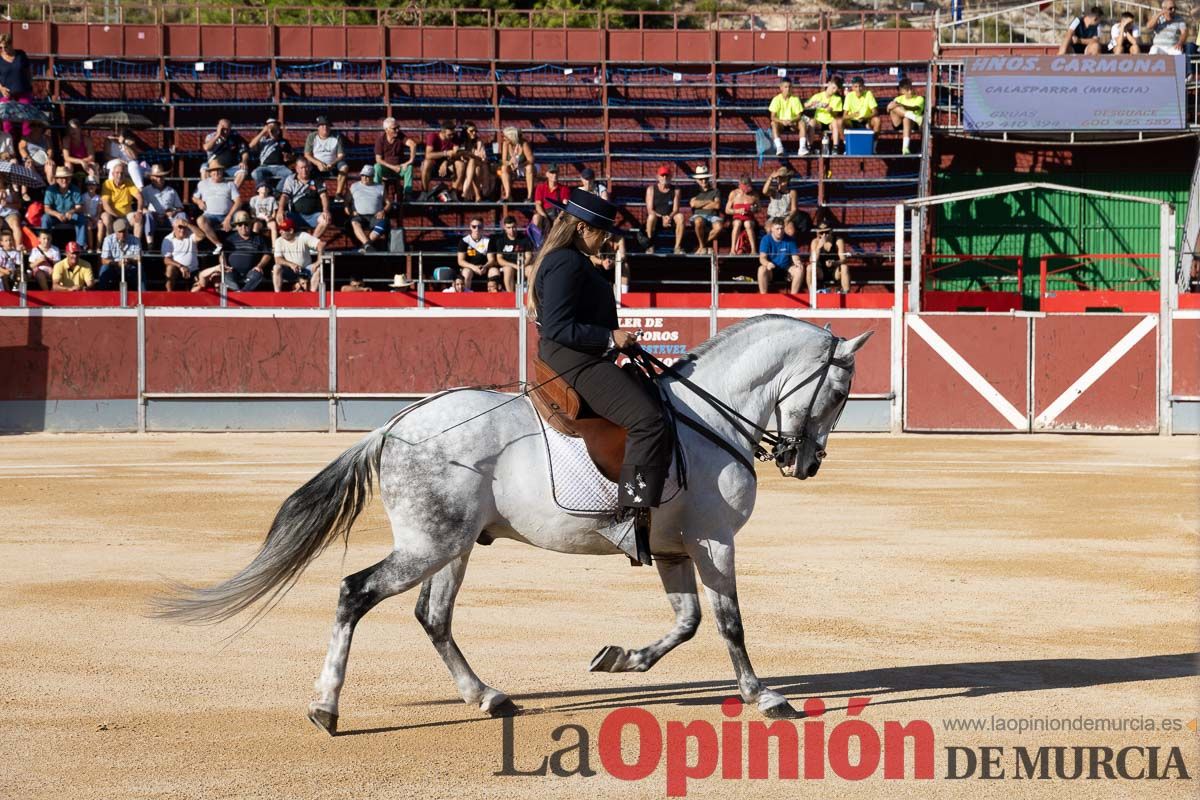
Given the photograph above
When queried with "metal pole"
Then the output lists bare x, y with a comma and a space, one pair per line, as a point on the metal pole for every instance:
22, 284
124, 287
421, 280
618, 273
914, 282
141, 368
1167, 294
139, 279
898, 326
321, 279
522, 324
333, 382
715, 298
332, 279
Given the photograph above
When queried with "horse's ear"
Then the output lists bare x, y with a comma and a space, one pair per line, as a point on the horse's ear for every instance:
829, 327
852, 346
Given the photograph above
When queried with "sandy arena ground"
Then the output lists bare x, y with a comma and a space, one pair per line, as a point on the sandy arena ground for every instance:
944, 577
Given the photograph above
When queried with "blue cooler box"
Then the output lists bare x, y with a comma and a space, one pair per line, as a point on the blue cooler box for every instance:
860, 143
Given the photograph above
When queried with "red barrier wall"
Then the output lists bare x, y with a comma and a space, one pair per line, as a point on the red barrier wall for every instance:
68, 358
939, 398
237, 354
1123, 398
1185, 361
425, 353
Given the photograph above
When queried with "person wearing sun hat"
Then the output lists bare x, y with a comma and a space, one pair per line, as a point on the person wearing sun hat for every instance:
707, 219
579, 338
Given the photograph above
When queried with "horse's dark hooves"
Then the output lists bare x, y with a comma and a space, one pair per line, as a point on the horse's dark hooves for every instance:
323, 719
607, 659
505, 708
780, 711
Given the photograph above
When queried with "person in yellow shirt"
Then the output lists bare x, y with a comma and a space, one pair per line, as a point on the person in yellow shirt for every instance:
861, 110
785, 109
907, 110
823, 111
72, 274
120, 198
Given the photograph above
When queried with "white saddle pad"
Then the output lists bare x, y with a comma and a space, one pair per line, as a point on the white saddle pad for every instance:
577, 483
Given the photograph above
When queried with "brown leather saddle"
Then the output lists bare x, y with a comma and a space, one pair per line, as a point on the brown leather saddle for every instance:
562, 409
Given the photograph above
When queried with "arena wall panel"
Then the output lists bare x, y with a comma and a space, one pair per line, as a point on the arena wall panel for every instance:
424, 352
252, 42
242, 352
1185, 357
182, 41
966, 372
33, 37
70, 39
1096, 373
53, 357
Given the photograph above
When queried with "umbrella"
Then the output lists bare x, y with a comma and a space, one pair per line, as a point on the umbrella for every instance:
21, 112
21, 175
119, 119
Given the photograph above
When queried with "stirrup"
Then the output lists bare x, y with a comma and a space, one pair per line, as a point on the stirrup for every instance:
641, 536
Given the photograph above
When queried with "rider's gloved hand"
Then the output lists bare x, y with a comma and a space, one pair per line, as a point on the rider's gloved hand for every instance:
623, 340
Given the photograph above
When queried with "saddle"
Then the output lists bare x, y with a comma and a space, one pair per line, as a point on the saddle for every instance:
563, 410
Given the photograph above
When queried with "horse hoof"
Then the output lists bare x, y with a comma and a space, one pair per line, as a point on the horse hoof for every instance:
325, 720
498, 704
777, 709
610, 659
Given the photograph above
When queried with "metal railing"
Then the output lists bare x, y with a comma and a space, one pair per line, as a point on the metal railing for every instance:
1038, 22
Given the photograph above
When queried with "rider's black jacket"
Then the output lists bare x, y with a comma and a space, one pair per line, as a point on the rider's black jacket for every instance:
576, 307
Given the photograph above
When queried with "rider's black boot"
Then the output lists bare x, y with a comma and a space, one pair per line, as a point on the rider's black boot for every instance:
641, 533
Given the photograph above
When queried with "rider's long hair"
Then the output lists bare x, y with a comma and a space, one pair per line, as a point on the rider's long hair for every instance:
561, 236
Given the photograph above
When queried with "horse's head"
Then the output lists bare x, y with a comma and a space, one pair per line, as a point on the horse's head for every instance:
808, 412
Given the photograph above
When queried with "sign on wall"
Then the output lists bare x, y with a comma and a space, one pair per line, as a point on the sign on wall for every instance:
1074, 92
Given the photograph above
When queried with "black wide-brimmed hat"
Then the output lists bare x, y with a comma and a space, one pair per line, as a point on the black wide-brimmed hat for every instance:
592, 209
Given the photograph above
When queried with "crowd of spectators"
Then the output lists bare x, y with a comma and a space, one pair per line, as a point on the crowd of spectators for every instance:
1168, 34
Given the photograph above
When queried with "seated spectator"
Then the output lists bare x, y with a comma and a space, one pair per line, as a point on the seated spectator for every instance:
120, 199
827, 259
516, 161
219, 201
860, 109
781, 200
10, 208
369, 209
740, 207
119, 257
1169, 31
181, 252
510, 250
37, 150
16, 78
458, 285
8, 148
63, 205
93, 213
907, 110
356, 284
1126, 36
326, 151
264, 207
822, 112
778, 258
548, 199
473, 257
1083, 34
785, 110
72, 273
226, 148
395, 155
123, 148
42, 259
245, 257
273, 152
161, 202
588, 182
304, 200
10, 261
441, 151
77, 151
294, 260
478, 180
707, 219
662, 209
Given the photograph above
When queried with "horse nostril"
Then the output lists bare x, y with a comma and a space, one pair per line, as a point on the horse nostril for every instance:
812, 470
820, 455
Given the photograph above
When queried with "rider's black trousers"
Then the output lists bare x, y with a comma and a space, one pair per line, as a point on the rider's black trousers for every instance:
620, 397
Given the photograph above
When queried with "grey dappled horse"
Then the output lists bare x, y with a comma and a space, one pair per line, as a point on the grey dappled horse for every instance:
442, 490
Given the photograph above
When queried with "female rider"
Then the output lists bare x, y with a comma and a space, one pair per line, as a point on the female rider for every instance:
580, 337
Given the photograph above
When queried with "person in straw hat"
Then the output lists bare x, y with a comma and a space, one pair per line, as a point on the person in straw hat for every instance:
580, 337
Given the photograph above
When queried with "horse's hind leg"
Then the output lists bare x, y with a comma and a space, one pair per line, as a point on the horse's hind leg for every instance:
361, 592
435, 612
679, 579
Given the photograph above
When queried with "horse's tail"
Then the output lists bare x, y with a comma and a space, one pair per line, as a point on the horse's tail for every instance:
317, 513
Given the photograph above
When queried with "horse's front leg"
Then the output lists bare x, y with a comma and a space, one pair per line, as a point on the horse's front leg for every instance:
679, 579
714, 560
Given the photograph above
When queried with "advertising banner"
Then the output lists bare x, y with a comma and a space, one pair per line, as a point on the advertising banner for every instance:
1074, 92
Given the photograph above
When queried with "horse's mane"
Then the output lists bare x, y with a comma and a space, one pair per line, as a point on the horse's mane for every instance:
724, 335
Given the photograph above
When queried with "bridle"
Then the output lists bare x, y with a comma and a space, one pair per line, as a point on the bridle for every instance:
769, 445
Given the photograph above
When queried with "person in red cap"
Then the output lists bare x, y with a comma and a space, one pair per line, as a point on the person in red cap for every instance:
73, 274
662, 208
